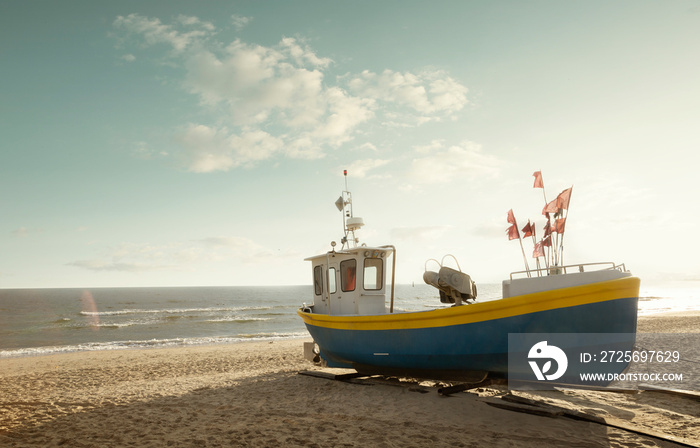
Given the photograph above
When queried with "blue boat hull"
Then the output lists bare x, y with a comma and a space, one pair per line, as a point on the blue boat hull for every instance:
442, 350
481, 346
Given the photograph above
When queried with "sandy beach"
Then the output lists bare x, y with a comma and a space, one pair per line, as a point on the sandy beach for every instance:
250, 394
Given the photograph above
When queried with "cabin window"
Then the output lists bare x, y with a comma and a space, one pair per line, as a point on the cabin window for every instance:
373, 273
348, 273
331, 280
318, 280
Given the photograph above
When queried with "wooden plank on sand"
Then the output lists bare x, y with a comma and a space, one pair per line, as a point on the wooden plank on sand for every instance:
693, 395
528, 405
331, 376
517, 407
448, 390
621, 424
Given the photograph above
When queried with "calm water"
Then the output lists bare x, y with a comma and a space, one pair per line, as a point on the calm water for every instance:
44, 321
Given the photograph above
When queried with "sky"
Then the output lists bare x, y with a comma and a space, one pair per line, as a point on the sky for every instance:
174, 143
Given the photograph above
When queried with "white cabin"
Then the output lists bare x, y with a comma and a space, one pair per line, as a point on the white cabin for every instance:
352, 281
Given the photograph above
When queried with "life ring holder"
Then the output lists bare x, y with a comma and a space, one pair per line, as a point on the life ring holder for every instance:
454, 258
442, 263
428, 261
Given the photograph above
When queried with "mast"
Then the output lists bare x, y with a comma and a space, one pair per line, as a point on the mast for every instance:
350, 222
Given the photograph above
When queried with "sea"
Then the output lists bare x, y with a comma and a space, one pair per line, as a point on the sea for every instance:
48, 321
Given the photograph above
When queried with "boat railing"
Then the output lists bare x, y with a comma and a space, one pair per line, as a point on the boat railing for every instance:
569, 269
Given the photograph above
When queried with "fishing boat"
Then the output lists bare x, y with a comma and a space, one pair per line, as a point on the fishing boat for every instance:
354, 323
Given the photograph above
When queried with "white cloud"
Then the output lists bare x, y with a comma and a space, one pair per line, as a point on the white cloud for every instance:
206, 148
130, 257
103, 265
255, 145
367, 146
24, 232
210, 149
232, 76
430, 92
446, 94
440, 165
155, 32
360, 168
244, 249
258, 84
275, 101
182, 256
431, 147
345, 112
303, 55
195, 22
240, 21
142, 150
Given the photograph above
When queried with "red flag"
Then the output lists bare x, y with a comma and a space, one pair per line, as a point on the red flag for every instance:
539, 250
564, 198
512, 233
538, 180
548, 229
559, 225
550, 208
512, 230
547, 242
527, 230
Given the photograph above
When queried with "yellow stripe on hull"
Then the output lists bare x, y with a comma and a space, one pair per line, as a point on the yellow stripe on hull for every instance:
484, 311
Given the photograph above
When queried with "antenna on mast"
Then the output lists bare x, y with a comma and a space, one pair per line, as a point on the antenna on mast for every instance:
350, 223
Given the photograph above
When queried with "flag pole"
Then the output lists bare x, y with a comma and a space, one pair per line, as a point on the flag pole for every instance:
514, 226
549, 256
544, 195
530, 229
561, 246
527, 267
550, 252
520, 239
555, 246
534, 242
539, 183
